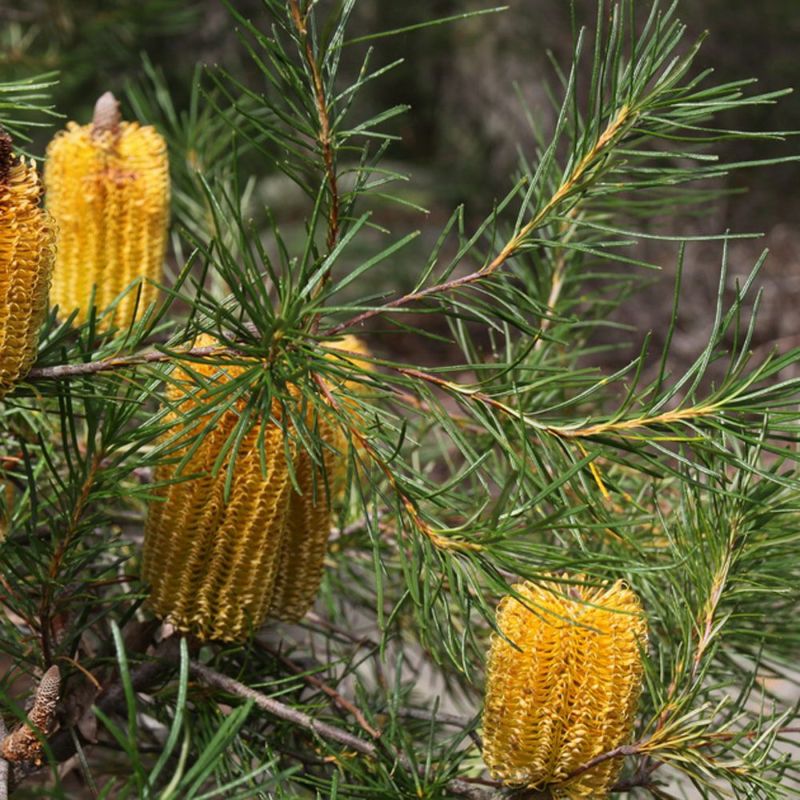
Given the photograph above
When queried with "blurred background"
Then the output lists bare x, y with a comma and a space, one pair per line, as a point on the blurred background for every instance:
460, 139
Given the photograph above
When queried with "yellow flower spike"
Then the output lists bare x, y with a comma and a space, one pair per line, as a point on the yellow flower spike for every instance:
108, 190
309, 521
217, 568
211, 563
569, 693
27, 250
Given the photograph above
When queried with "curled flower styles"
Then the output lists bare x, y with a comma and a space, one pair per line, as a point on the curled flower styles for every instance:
211, 561
218, 566
108, 190
27, 251
569, 693
309, 518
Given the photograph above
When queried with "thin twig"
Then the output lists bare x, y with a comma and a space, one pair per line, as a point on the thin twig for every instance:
618, 752
67, 371
324, 133
343, 634
219, 681
575, 178
557, 281
624, 428
704, 629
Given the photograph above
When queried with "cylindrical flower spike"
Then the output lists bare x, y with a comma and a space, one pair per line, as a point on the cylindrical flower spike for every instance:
217, 568
308, 522
108, 190
211, 563
566, 690
27, 250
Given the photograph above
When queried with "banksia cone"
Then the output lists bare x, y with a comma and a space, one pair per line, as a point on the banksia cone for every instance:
308, 522
108, 189
24, 743
569, 693
211, 563
217, 568
26, 264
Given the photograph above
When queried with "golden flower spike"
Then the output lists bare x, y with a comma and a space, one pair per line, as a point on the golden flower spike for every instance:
211, 563
27, 250
217, 568
569, 693
108, 189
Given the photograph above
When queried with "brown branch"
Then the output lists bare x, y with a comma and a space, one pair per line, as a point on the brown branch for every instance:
343, 634
288, 714
337, 633
618, 752
67, 371
344, 704
324, 134
222, 682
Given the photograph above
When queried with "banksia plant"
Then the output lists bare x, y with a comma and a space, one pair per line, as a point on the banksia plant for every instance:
562, 686
108, 190
512, 433
26, 263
